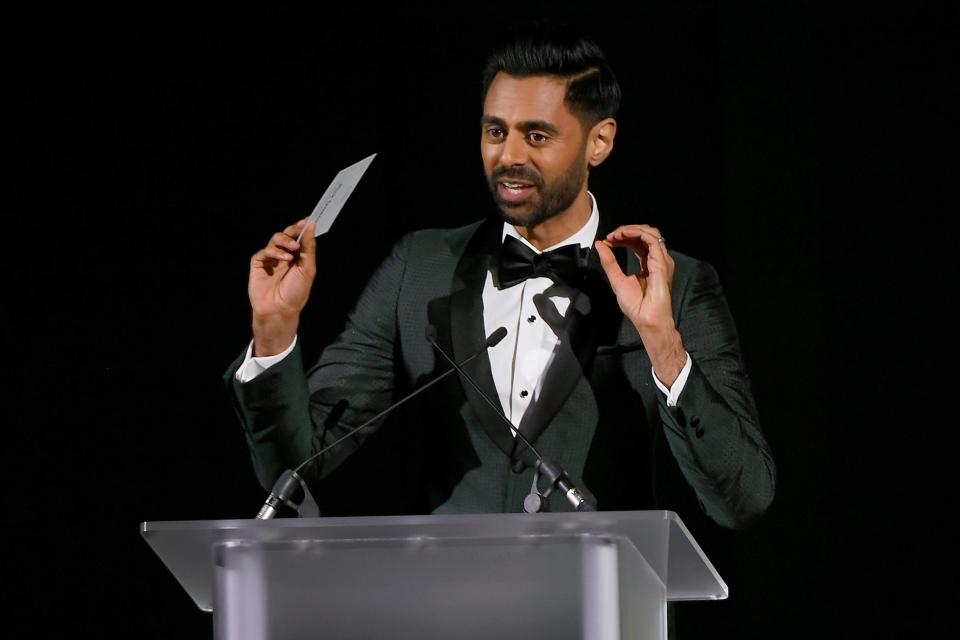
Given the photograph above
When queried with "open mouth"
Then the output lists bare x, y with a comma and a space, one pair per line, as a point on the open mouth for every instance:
513, 191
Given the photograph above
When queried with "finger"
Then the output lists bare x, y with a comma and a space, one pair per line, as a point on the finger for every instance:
294, 230
262, 259
633, 241
629, 234
646, 241
637, 227
284, 241
609, 263
278, 254
660, 253
661, 241
308, 244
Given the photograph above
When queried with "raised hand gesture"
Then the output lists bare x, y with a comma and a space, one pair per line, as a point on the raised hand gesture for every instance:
281, 275
645, 297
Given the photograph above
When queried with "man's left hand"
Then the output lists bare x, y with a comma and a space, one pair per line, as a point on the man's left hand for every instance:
644, 297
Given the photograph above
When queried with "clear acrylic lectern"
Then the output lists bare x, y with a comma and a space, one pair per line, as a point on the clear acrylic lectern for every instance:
597, 576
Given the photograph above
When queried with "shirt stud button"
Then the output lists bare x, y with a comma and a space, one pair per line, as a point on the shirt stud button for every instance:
524, 393
532, 319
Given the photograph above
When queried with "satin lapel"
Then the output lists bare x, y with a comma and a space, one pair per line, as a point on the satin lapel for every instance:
593, 318
467, 331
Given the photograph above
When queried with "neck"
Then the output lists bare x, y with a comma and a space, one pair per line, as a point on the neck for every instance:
560, 226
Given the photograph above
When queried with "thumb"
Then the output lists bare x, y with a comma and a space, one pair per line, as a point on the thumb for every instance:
308, 244
609, 263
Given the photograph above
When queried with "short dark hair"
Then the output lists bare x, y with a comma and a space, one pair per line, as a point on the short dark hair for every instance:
556, 50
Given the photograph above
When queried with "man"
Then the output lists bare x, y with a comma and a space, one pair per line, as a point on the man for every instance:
605, 358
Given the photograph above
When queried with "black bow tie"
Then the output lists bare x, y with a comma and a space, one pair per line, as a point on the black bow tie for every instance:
564, 265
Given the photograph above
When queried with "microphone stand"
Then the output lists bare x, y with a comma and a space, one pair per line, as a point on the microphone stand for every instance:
288, 481
547, 468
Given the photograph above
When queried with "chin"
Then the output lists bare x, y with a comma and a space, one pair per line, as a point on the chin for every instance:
521, 216
515, 217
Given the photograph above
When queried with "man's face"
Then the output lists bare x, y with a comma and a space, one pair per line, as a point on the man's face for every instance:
533, 148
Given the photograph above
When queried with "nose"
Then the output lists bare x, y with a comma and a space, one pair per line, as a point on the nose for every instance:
514, 152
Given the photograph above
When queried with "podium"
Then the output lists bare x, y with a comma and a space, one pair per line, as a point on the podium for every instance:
599, 576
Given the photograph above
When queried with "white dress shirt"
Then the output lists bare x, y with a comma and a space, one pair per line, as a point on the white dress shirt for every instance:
519, 361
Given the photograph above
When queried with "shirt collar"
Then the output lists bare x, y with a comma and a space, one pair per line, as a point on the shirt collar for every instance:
584, 237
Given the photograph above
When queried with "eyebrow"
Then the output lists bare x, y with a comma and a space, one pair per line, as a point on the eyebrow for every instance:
526, 125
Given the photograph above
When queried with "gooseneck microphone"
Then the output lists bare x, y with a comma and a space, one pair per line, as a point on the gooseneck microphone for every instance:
283, 488
289, 480
554, 474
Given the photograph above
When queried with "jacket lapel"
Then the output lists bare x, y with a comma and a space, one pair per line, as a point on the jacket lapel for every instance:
467, 332
592, 318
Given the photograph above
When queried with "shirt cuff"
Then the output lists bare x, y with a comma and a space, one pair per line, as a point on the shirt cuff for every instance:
673, 393
254, 366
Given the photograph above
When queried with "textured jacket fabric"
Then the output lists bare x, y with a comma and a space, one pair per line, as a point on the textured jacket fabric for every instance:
600, 415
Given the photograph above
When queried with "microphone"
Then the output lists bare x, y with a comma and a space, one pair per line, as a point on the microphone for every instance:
283, 488
554, 474
289, 480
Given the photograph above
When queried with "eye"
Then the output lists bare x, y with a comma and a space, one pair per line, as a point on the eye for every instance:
495, 133
537, 138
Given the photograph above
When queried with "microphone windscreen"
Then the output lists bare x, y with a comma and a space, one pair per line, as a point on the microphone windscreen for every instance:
496, 337
430, 332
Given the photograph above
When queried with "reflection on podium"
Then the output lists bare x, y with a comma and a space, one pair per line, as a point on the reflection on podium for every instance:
599, 576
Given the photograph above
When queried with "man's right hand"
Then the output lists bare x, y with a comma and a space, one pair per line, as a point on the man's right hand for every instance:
281, 275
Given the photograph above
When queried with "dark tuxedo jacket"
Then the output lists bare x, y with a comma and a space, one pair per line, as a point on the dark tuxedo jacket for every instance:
599, 415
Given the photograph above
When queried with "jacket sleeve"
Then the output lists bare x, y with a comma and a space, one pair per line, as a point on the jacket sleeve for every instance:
714, 431
288, 414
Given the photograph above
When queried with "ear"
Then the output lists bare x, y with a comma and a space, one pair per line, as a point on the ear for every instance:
600, 141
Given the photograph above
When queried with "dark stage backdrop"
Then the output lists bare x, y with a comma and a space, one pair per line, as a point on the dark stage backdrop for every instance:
152, 150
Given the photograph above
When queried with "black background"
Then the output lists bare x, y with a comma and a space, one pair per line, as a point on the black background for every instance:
804, 151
